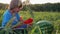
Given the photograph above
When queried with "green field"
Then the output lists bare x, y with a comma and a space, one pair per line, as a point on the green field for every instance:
54, 17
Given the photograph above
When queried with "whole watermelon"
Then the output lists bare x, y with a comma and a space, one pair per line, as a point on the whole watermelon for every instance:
45, 26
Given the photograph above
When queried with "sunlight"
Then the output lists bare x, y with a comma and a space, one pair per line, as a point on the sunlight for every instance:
5, 1
33, 1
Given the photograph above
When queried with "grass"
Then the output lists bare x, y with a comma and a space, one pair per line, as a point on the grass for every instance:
54, 17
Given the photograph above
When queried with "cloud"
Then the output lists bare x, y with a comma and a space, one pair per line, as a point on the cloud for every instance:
33, 1
43, 1
5, 1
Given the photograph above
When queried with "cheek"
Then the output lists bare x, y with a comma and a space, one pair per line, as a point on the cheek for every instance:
17, 9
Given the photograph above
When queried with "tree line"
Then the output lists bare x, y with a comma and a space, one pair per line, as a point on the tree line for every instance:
38, 7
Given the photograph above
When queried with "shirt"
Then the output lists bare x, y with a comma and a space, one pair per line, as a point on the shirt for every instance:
7, 16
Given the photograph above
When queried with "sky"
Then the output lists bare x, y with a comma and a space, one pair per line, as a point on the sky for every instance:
33, 1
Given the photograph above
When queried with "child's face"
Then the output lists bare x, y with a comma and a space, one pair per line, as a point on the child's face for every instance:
17, 9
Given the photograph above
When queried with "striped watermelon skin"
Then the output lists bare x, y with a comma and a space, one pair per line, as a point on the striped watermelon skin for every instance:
45, 26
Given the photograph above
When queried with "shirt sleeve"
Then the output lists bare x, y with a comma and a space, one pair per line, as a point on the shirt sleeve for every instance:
5, 20
17, 16
16, 19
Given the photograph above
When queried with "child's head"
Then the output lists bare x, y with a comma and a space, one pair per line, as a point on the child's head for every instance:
15, 5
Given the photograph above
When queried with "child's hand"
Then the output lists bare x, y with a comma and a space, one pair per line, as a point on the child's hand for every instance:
21, 18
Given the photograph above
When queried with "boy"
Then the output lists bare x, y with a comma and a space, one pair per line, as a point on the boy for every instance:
15, 7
